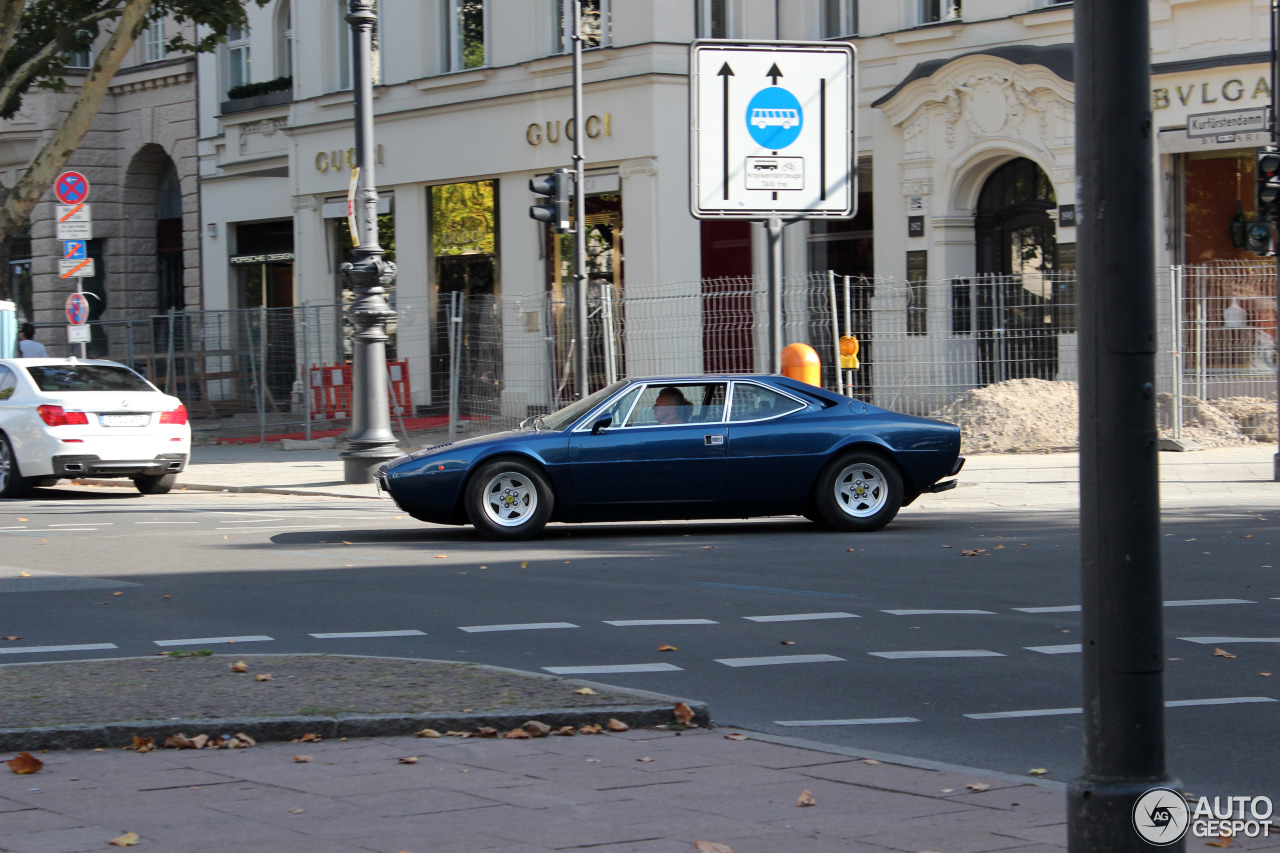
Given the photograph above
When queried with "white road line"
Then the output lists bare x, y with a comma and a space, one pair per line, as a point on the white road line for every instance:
1042, 712
772, 660
31, 650
355, 635
1220, 640
623, 667
527, 626
1173, 703
946, 653
938, 612
255, 520
800, 617
1068, 608
868, 721
1064, 649
1235, 700
1201, 602
281, 527
208, 641
629, 623
166, 522
82, 524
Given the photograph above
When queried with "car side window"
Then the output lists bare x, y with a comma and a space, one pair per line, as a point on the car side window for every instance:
618, 408
679, 403
753, 402
7, 383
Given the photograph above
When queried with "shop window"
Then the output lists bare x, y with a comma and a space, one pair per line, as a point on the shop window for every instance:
597, 24
839, 18
937, 11
713, 19
464, 34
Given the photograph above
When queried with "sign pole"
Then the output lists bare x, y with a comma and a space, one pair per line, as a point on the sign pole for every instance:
579, 211
774, 226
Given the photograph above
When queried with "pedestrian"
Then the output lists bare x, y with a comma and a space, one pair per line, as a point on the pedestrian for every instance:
28, 346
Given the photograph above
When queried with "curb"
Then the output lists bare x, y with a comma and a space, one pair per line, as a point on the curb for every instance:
267, 490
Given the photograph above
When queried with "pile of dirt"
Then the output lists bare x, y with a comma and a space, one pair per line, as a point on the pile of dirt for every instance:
1038, 416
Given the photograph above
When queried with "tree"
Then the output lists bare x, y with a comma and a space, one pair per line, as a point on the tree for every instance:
36, 37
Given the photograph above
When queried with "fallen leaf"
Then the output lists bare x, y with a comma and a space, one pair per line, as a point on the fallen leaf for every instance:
440, 557
712, 847
24, 574
683, 713
20, 518
129, 839
590, 729
947, 790
537, 728
565, 731
977, 786
486, 731
301, 759
24, 763
458, 734
239, 666
310, 737
1222, 653
708, 547
180, 741
1037, 771
788, 642
735, 736
870, 761
525, 564
646, 759
427, 733
408, 759
517, 734
616, 725
948, 546
345, 542
264, 676
1267, 674
243, 739
667, 649
806, 798
585, 691
297, 811
11, 638
973, 552
117, 593
142, 744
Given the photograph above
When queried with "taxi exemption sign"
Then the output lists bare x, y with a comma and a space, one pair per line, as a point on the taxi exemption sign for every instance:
772, 129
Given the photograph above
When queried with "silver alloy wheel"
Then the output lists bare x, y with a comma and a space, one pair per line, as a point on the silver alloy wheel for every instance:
510, 499
861, 489
6, 464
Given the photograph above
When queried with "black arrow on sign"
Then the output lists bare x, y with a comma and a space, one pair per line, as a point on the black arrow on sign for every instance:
725, 73
774, 73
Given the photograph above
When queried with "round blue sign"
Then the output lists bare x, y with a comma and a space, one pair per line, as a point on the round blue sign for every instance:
774, 118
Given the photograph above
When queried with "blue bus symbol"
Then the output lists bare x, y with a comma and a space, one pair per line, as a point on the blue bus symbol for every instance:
774, 118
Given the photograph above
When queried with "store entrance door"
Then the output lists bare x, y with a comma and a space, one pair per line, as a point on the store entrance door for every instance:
1013, 302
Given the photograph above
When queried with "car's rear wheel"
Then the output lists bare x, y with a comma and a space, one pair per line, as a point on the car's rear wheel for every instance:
508, 499
155, 484
12, 483
859, 491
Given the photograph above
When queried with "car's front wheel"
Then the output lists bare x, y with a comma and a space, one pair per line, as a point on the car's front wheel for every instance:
860, 491
155, 484
12, 483
508, 499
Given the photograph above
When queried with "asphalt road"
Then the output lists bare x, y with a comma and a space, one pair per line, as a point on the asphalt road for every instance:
896, 641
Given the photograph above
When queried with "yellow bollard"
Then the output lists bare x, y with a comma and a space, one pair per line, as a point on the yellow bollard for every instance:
800, 362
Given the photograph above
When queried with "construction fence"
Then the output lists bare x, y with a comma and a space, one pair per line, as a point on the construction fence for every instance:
482, 363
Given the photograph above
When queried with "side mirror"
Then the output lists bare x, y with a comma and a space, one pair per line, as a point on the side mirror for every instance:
602, 424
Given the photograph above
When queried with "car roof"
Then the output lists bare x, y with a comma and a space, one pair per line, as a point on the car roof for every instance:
43, 362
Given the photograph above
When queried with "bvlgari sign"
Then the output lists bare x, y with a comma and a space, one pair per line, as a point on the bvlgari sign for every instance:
1227, 122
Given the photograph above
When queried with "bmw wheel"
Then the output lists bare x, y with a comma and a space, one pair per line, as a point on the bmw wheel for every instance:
12, 483
508, 499
155, 484
861, 491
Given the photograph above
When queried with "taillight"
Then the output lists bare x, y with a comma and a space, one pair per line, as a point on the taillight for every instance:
57, 416
177, 416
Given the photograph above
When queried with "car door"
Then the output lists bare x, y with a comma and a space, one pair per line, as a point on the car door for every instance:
773, 451
640, 460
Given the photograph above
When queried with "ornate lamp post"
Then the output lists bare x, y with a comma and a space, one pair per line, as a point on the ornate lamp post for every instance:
370, 441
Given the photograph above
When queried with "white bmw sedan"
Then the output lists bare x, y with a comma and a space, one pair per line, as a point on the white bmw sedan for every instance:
66, 418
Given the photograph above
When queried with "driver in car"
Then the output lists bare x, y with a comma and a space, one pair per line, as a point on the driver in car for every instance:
672, 407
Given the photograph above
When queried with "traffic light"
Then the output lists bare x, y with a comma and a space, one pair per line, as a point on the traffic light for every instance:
1268, 178
556, 189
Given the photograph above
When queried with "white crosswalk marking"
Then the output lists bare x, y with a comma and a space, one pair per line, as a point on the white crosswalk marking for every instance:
945, 653
939, 612
772, 660
525, 626
868, 721
1064, 649
31, 650
213, 641
623, 667
355, 635
629, 623
800, 617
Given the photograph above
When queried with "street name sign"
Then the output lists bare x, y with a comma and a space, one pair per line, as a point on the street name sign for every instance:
1228, 122
772, 130
74, 221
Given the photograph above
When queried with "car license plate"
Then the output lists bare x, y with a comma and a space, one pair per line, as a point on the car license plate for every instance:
124, 420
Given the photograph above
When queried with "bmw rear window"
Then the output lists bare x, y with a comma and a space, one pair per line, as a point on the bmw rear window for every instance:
86, 377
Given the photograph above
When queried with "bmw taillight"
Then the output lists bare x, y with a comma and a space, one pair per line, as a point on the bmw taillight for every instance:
57, 416
177, 416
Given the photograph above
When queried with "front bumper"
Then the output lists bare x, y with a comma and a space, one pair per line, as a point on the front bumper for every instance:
88, 465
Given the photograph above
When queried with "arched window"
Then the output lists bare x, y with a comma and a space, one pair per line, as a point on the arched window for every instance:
284, 39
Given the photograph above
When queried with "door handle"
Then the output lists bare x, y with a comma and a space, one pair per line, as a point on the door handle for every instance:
713, 439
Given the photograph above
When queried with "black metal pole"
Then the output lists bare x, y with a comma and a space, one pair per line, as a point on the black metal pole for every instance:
1119, 495
583, 384
1275, 139
370, 441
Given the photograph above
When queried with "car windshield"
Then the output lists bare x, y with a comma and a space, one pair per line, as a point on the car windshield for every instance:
86, 377
570, 413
